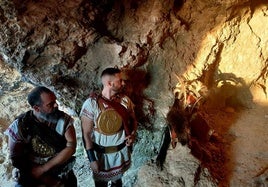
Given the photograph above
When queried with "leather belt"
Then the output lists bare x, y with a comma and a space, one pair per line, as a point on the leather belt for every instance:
108, 149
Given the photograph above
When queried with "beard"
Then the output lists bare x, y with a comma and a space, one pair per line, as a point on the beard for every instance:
52, 117
117, 89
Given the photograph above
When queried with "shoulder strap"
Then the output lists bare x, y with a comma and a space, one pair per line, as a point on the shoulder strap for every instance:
24, 125
100, 104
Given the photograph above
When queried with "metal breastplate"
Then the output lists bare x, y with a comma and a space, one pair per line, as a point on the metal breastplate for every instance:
41, 148
109, 122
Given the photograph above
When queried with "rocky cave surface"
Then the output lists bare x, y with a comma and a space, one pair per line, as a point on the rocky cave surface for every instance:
162, 45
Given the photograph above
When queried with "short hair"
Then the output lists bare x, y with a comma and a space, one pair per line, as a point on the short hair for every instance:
110, 71
34, 97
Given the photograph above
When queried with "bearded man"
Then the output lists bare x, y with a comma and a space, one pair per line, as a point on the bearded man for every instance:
109, 126
42, 142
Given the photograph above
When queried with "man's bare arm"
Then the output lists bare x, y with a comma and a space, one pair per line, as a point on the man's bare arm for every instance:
62, 156
87, 128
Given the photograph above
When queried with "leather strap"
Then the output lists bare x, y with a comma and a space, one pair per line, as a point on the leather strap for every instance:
108, 149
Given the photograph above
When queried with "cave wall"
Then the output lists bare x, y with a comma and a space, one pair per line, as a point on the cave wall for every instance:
65, 45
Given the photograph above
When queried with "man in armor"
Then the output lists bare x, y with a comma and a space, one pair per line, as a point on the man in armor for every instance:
109, 126
42, 142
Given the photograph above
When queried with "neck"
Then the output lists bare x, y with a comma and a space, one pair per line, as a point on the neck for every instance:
108, 94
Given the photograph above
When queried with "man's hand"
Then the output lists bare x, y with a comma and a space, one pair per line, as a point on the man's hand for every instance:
130, 139
94, 166
38, 171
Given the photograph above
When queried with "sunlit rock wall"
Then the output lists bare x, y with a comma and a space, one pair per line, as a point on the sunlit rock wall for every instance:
65, 45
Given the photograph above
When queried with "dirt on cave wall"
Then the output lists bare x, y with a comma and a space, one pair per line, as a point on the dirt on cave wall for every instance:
65, 45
